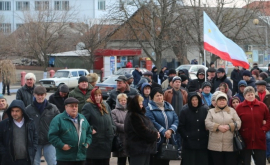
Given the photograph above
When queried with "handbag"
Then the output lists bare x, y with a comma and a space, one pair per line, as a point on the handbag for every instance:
238, 143
167, 151
117, 145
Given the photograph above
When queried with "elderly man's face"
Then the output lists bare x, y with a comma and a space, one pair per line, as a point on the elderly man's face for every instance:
72, 109
30, 82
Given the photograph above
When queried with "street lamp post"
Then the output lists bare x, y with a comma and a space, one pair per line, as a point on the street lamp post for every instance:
256, 22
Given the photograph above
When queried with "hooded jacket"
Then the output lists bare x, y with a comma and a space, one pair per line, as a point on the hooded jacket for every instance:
191, 124
119, 116
155, 75
240, 94
196, 84
6, 136
140, 133
157, 116
145, 99
217, 81
57, 100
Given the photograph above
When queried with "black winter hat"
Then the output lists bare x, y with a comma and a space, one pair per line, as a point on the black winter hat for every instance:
247, 73
171, 71
221, 70
71, 100
206, 84
211, 70
170, 79
183, 77
64, 88
82, 79
154, 91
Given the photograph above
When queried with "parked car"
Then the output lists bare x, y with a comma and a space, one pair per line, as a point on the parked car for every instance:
64, 76
123, 71
107, 85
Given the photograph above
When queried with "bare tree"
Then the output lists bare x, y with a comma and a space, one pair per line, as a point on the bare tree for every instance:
45, 32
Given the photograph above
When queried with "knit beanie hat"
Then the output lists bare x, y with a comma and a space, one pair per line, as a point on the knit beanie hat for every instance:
183, 77
82, 79
247, 73
222, 95
172, 71
215, 95
64, 88
206, 84
154, 91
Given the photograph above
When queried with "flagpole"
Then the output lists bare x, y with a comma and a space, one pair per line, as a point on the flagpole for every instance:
204, 63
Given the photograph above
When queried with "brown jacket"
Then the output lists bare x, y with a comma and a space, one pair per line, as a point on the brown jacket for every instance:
266, 99
168, 95
219, 141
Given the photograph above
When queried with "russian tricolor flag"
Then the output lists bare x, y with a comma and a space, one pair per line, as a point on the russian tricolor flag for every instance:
216, 43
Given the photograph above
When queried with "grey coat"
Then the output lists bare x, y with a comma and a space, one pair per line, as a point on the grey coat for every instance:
101, 145
42, 121
26, 95
119, 116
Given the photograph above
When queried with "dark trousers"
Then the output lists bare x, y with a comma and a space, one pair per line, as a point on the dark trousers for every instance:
97, 162
122, 160
4, 89
155, 161
259, 156
140, 159
22, 162
70, 162
235, 90
224, 158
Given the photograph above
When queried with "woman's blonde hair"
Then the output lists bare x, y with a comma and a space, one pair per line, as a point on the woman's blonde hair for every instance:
140, 99
121, 95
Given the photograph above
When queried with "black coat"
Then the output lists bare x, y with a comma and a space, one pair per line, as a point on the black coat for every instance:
155, 75
136, 76
217, 81
26, 95
236, 77
195, 85
6, 136
140, 133
192, 126
57, 100
161, 76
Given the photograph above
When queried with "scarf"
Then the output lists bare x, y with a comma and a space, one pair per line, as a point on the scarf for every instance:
177, 101
40, 106
251, 103
100, 105
83, 91
207, 98
262, 95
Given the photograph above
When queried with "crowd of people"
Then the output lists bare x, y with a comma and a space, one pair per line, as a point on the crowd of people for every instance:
197, 116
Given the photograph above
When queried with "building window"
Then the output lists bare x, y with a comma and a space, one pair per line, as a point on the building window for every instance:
41, 5
5, 27
61, 5
5, 5
18, 25
101, 4
22, 5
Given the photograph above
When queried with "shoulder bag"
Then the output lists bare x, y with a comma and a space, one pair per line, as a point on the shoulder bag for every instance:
238, 143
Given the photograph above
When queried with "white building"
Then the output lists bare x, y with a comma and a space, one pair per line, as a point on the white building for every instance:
12, 11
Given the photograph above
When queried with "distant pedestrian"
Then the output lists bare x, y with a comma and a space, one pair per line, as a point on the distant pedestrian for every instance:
129, 64
6, 83
162, 74
155, 74
212, 65
18, 137
71, 135
25, 93
42, 112
137, 74
255, 67
236, 77
59, 97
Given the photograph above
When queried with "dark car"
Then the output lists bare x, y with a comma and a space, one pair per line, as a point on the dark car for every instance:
107, 85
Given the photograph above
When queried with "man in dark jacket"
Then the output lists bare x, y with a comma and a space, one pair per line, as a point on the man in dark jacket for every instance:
137, 74
155, 74
82, 91
59, 97
236, 77
122, 87
18, 137
25, 93
73, 125
249, 79
221, 77
165, 83
184, 83
162, 74
42, 112
241, 86
196, 84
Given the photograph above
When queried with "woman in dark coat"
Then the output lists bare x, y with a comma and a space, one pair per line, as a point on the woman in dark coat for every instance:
155, 74
165, 120
140, 133
118, 116
192, 130
98, 114
252, 114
